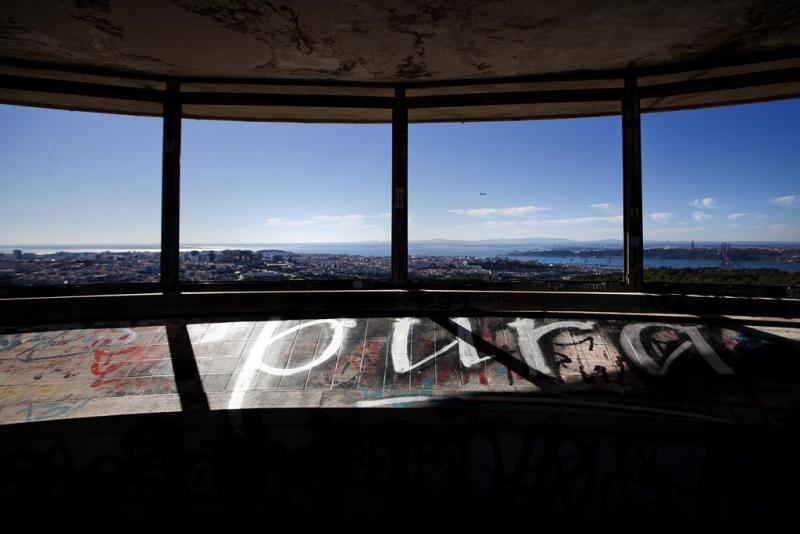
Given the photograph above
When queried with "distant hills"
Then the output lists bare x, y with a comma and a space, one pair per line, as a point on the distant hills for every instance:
603, 243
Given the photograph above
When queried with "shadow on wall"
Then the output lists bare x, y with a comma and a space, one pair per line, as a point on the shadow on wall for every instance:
466, 465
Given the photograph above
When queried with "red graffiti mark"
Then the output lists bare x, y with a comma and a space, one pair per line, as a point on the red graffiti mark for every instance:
372, 352
482, 377
72, 369
105, 342
373, 346
351, 360
67, 364
355, 357
442, 370
666, 336
106, 362
487, 334
466, 377
426, 347
731, 341
369, 349
109, 336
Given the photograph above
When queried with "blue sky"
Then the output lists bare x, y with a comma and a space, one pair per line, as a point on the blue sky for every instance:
730, 173
250, 182
555, 178
72, 177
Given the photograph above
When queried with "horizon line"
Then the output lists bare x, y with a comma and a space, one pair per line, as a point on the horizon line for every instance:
502, 241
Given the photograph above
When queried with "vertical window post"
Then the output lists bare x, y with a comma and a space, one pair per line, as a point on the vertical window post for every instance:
632, 184
399, 189
170, 190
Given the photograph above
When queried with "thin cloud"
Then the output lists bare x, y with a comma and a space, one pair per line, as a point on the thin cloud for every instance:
344, 218
516, 211
789, 201
582, 220
606, 207
661, 217
552, 223
737, 216
327, 220
705, 203
700, 216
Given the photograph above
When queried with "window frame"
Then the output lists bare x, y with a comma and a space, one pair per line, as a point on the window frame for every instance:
630, 96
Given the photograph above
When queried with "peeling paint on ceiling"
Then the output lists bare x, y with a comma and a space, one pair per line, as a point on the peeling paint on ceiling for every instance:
389, 40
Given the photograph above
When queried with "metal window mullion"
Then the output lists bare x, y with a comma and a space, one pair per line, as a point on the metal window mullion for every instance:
632, 184
400, 189
170, 190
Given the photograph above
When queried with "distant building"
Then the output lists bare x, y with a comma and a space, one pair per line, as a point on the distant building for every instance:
237, 256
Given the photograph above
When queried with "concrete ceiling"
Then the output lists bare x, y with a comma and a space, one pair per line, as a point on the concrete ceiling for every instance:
389, 40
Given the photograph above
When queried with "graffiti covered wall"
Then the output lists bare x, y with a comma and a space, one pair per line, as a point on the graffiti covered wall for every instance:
395, 361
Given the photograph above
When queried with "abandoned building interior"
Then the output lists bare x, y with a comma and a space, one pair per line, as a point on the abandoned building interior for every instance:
629, 369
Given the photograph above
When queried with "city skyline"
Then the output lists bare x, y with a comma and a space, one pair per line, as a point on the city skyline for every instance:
723, 174
6, 248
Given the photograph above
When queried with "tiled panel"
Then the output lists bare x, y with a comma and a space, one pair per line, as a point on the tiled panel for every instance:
707, 370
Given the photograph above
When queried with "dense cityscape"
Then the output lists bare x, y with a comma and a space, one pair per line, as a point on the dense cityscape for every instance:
20, 268
64, 268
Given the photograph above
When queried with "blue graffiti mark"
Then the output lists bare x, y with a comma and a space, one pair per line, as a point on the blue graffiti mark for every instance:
50, 410
48, 340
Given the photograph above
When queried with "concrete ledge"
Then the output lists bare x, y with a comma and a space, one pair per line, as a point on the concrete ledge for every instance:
232, 305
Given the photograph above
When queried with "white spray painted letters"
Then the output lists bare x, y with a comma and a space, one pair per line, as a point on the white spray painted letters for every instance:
529, 335
528, 339
401, 331
632, 346
254, 360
